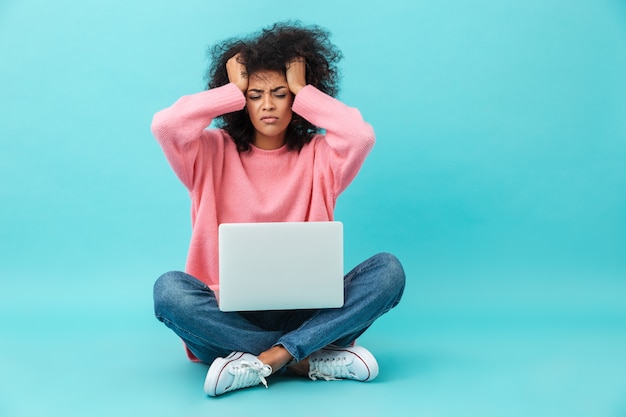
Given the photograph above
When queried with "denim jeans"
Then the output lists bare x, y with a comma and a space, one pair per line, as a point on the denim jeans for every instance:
190, 309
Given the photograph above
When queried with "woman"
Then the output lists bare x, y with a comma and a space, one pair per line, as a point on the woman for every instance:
267, 161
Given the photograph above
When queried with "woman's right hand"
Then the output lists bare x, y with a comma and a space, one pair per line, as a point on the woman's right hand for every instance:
237, 73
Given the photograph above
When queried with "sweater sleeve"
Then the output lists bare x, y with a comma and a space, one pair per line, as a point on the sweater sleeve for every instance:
349, 137
180, 127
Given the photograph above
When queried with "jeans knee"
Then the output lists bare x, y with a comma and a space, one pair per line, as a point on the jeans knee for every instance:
178, 295
165, 293
392, 276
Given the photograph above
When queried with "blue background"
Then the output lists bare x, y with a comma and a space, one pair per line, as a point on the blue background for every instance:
498, 179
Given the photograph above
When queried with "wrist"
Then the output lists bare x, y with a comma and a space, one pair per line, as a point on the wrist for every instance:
297, 88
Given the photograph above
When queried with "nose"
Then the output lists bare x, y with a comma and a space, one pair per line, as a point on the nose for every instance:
267, 103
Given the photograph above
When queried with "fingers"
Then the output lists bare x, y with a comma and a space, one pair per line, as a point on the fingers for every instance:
296, 60
296, 74
237, 73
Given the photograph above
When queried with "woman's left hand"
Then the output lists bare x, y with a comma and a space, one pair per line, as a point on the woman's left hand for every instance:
296, 75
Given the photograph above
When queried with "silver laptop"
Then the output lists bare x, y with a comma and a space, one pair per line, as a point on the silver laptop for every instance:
280, 266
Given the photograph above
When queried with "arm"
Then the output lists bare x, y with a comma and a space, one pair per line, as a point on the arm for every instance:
179, 128
349, 137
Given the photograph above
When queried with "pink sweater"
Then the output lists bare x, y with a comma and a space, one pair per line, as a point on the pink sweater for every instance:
226, 186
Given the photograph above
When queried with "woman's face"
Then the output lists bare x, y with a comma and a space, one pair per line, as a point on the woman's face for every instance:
268, 102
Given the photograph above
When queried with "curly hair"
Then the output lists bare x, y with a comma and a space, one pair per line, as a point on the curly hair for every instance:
271, 49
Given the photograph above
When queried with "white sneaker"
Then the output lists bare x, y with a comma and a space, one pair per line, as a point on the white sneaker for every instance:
237, 370
334, 362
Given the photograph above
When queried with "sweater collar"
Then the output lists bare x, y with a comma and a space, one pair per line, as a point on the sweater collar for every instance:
265, 152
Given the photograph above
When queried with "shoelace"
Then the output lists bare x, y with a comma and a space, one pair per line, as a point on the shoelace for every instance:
330, 369
247, 374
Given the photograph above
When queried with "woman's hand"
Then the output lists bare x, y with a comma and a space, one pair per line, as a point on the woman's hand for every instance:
237, 73
296, 75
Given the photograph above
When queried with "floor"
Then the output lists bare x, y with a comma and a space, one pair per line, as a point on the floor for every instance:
504, 351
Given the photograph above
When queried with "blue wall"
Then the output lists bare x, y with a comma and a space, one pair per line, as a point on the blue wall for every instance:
501, 127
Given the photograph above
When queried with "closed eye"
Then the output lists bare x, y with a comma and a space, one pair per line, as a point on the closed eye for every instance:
280, 92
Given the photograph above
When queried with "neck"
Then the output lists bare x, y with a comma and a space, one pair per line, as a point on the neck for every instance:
269, 143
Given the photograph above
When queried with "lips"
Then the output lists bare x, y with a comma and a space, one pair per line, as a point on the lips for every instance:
269, 119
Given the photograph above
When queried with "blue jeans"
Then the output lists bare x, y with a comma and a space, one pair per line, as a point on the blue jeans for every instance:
189, 308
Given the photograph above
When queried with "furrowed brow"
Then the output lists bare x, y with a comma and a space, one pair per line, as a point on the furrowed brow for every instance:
260, 90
